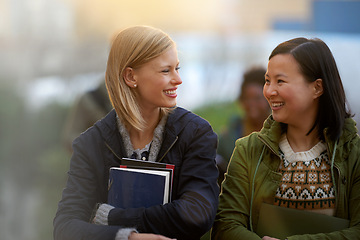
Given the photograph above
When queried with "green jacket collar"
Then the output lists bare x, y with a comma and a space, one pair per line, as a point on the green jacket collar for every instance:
271, 132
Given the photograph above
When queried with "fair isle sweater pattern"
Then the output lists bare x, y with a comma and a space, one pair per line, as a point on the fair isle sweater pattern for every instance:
306, 179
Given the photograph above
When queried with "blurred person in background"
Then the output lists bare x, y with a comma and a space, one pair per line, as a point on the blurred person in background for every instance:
256, 110
87, 109
142, 77
307, 155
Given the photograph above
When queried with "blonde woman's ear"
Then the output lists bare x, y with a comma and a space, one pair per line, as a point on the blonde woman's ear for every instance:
129, 77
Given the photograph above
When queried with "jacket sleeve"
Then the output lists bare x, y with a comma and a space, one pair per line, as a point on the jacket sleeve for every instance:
72, 220
192, 211
232, 219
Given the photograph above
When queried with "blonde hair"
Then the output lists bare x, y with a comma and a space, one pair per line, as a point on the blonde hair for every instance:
132, 47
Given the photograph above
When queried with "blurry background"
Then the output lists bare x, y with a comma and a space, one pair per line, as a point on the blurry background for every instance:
52, 51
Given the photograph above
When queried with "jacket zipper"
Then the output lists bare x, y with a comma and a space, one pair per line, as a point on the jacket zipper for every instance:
169, 148
336, 185
107, 145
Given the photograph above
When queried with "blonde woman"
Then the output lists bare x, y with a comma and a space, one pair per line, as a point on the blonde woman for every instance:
142, 77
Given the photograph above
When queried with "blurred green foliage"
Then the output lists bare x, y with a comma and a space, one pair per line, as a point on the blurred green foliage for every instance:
218, 114
32, 160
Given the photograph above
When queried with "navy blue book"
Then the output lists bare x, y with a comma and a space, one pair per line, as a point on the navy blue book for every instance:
134, 188
159, 166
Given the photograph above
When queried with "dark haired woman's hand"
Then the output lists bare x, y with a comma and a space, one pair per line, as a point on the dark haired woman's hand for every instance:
269, 238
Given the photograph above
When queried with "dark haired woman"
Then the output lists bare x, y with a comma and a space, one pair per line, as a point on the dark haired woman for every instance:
307, 154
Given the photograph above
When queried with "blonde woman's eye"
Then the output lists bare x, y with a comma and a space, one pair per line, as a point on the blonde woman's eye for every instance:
165, 71
177, 68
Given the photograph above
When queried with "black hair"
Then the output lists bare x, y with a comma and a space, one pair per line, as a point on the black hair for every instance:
255, 75
317, 62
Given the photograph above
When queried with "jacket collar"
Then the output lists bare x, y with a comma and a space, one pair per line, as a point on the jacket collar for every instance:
111, 135
271, 132
175, 124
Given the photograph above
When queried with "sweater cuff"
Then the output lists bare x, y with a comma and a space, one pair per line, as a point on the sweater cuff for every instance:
102, 213
124, 233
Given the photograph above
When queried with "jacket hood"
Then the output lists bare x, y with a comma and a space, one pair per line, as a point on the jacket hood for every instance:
343, 149
180, 116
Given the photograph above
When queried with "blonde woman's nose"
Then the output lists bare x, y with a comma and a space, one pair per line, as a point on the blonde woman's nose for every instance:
176, 79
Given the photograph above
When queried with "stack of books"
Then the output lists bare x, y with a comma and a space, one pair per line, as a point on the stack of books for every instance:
137, 183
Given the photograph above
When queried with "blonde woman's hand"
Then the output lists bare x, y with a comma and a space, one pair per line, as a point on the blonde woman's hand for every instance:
269, 238
147, 236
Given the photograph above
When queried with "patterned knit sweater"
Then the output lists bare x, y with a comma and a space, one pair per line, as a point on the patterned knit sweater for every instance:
306, 182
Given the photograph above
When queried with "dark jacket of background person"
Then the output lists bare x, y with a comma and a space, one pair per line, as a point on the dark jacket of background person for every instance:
237, 191
88, 108
227, 139
189, 143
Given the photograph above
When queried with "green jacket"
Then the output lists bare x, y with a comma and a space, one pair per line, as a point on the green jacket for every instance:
241, 191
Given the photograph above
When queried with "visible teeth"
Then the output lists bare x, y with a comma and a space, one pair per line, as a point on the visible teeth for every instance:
170, 92
277, 104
